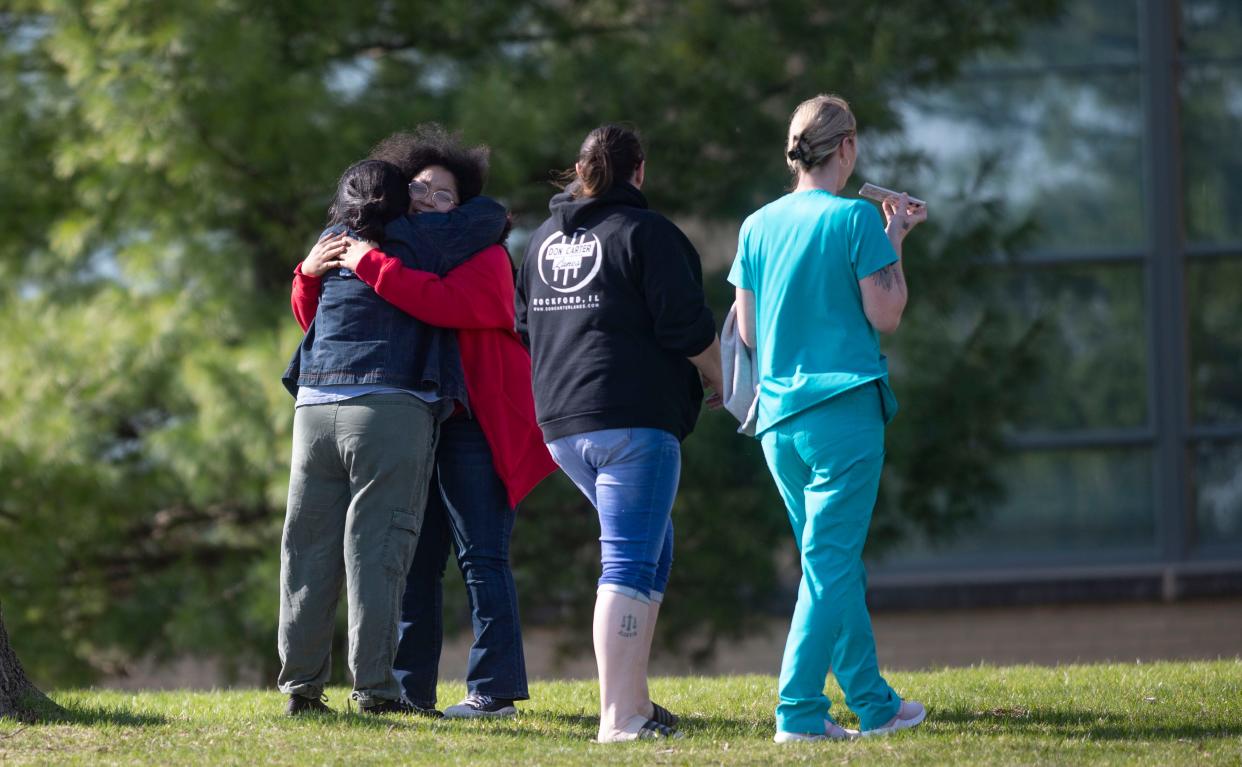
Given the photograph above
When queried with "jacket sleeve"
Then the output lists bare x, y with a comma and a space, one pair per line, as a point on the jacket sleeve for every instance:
438, 242
672, 282
476, 295
521, 302
305, 297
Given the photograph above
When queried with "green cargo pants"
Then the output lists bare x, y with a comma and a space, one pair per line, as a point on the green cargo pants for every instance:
357, 489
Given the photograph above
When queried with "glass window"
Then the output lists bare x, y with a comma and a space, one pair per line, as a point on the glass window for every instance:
1213, 300
1211, 29
1218, 494
1092, 346
1061, 152
1060, 506
1052, 129
1084, 34
1211, 116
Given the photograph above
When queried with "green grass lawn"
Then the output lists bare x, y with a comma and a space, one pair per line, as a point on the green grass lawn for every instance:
1150, 714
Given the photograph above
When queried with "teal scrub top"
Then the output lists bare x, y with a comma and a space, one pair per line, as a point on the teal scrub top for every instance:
802, 256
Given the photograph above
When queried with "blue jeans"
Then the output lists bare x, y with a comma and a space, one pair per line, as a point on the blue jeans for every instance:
630, 476
467, 506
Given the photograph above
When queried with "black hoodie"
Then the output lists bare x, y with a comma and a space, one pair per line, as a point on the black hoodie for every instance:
610, 301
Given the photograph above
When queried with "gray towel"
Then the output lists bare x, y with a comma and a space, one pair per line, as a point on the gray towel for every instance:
741, 379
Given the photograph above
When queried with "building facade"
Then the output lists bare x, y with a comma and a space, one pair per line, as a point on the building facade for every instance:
1117, 130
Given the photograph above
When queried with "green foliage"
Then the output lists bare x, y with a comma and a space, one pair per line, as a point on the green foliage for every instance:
164, 164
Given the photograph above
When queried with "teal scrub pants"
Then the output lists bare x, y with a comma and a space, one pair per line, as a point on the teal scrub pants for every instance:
826, 462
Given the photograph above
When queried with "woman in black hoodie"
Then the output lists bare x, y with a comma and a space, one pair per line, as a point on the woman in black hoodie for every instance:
610, 300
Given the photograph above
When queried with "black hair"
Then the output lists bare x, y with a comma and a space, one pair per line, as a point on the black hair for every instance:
430, 144
609, 154
369, 195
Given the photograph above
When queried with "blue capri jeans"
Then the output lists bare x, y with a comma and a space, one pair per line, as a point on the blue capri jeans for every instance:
630, 476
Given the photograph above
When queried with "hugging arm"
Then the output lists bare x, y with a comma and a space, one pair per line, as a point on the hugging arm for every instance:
304, 299
438, 242
308, 275
475, 295
521, 304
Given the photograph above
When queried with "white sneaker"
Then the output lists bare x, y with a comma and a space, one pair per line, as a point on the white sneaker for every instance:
911, 714
832, 731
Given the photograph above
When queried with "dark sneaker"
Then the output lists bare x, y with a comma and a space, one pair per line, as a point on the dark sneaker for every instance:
399, 706
481, 706
298, 705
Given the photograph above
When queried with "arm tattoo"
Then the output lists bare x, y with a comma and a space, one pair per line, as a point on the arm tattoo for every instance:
889, 277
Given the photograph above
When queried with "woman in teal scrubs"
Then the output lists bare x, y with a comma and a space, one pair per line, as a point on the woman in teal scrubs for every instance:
818, 277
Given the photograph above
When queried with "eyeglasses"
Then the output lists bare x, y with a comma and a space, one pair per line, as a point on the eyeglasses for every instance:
440, 199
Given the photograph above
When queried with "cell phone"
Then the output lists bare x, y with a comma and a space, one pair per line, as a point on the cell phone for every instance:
880, 194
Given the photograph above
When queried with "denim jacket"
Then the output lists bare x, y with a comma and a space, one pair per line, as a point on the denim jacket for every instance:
359, 338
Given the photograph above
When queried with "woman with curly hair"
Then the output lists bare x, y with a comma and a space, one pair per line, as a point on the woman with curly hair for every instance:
491, 453
371, 385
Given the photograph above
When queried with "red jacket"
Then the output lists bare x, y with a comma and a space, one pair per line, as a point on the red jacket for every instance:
476, 299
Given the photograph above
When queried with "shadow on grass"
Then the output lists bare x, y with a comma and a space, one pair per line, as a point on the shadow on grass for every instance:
1096, 724
1100, 725
90, 716
690, 725
383, 722
359, 720
742, 728
534, 723
528, 723
569, 720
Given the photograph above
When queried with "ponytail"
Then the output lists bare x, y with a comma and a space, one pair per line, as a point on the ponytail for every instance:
816, 130
609, 154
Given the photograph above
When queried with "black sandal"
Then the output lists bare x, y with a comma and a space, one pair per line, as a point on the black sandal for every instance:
653, 729
663, 716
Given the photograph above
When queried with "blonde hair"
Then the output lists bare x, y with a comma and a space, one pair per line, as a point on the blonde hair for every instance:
816, 130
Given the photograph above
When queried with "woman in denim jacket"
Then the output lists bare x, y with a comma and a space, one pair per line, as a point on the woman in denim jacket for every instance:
367, 377
490, 454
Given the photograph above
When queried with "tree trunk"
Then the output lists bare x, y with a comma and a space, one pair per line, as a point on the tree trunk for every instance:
19, 699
